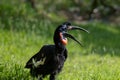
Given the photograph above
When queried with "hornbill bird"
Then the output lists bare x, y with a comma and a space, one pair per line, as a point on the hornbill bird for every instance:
50, 59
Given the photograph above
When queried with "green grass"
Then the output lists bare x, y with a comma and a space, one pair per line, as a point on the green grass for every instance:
23, 32
99, 59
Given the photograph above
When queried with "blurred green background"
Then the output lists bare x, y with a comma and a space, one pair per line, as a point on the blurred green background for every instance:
26, 25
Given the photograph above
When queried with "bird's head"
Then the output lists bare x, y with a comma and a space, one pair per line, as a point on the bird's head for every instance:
61, 34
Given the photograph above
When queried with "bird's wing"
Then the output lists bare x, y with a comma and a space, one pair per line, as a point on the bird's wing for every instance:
34, 62
40, 57
37, 59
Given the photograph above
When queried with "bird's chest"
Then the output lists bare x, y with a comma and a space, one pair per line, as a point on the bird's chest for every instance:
59, 61
60, 58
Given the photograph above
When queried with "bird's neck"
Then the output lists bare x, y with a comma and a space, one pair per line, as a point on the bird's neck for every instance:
60, 48
60, 39
59, 45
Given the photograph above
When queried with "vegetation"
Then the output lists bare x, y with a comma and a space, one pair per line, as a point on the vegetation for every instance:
23, 32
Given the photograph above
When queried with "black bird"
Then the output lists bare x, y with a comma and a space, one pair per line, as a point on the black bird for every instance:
50, 59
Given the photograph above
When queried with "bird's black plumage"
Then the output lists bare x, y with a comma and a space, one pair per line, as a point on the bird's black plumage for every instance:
50, 59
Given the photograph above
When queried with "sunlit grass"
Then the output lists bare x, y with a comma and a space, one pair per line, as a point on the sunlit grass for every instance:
92, 67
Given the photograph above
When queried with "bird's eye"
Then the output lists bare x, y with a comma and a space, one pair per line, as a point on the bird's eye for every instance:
64, 28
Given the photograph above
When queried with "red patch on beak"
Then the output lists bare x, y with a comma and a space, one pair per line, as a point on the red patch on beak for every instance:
62, 39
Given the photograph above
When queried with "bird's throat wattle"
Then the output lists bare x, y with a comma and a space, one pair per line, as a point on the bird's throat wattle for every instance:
63, 39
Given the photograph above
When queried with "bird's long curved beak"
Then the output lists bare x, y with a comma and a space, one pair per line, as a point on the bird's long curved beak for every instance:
77, 28
70, 36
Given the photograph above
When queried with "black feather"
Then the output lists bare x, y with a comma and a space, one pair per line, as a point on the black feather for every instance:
53, 63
